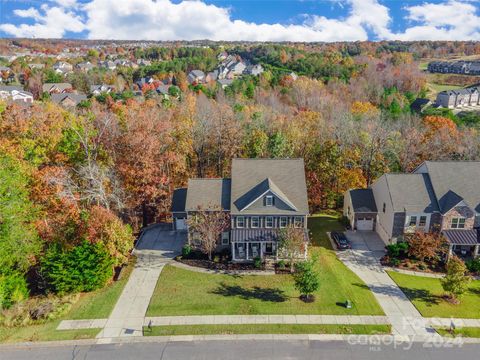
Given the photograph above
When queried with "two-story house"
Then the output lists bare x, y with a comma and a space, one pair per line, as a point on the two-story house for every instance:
262, 197
437, 196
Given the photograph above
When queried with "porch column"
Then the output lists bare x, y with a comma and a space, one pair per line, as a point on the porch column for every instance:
450, 251
261, 250
233, 251
246, 245
476, 251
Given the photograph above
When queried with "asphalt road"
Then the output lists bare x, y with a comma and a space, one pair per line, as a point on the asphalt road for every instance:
244, 349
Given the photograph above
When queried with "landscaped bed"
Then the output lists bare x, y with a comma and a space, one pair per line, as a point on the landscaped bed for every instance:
265, 329
473, 332
427, 295
184, 292
95, 305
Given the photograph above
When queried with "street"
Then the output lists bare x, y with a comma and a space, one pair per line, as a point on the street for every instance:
242, 349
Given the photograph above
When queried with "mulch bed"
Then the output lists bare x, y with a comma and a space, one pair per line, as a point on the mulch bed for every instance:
207, 264
412, 265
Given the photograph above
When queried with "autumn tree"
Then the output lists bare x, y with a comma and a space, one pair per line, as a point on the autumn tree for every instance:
292, 244
206, 226
426, 246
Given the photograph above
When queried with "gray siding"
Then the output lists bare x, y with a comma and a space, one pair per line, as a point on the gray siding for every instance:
384, 226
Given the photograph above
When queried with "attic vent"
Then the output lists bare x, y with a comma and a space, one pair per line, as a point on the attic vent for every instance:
269, 200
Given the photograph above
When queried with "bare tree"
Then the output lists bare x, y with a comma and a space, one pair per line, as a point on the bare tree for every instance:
293, 244
208, 224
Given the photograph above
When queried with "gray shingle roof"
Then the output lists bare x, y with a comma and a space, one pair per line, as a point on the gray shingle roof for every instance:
76, 98
461, 237
208, 194
411, 193
454, 181
179, 199
363, 200
287, 175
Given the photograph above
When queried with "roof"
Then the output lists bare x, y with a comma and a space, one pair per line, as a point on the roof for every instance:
284, 177
455, 181
76, 98
61, 86
179, 199
208, 194
363, 200
419, 103
10, 88
411, 193
243, 235
461, 237
197, 73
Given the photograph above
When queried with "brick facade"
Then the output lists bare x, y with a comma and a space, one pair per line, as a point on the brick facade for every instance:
459, 212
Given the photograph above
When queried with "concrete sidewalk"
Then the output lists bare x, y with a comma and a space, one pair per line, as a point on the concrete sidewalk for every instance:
363, 260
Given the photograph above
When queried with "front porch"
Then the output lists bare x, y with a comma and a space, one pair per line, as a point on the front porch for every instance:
463, 243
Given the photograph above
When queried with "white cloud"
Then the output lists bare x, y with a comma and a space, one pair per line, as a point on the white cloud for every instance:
194, 19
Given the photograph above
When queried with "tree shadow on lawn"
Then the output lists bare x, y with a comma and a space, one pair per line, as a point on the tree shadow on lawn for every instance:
474, 291
422, 295
264, 294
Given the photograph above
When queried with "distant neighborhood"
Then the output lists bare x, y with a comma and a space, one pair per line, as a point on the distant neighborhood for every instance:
455, 67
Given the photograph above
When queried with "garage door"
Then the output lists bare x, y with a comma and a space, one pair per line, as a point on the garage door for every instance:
364, 224
180, 224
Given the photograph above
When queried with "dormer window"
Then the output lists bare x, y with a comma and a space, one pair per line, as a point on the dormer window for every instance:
269, 200
458, 223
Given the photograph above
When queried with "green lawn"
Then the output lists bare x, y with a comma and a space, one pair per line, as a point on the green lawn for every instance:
426, 294
94, 305
184, 292
473, 332
265, 329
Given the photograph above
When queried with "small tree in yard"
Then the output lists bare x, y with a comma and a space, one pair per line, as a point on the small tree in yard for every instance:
455, 283
208, 225
292, 244
306, 279
422, 245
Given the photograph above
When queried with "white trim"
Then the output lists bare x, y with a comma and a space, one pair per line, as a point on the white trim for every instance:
251, 222
269, 227
267, 199
295, 221
236, 222
280, 222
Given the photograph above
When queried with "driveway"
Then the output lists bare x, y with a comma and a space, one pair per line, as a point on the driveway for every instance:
363, 260
158, 244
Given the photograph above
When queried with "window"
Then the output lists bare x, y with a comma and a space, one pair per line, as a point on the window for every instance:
269, 221
413, 221
240, 222
458, 223
283, 221
255, 222
268, 248
269, 200
384, 207
423, 221
298, 222
225, 238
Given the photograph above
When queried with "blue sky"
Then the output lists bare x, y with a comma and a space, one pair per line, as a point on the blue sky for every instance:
256, 20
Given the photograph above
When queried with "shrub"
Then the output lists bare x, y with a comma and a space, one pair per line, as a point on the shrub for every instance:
455, 283
86, 267
257, 262
186, 250
397, 250
13, 289
281, 264
473, 265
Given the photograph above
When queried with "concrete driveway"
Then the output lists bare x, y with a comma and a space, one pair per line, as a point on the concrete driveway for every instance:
160, 240
363, 260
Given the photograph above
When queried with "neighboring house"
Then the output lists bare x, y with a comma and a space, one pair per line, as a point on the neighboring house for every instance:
62, 67
459, 98
437, 196
36, 66
143, 62
420, 104
225, 82
57, 88
85, 66
144, 81
455, 67
211, 76
16, 94
262, 197
163, 90
107, 64
254, 70
196, 77
99, 89
68, 99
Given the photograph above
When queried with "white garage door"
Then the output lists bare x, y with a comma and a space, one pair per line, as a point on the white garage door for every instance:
180, 224
364, 224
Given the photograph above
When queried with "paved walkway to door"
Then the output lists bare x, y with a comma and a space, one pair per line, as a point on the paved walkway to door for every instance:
157, 246
363, 260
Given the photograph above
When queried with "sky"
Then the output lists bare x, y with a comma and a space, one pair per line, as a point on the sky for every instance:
242, 20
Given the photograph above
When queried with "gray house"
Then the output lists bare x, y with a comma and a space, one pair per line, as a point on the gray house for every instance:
437, 196
459, 98
262, 197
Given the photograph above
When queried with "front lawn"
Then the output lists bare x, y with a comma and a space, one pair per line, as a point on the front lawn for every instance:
472, 332
184, 292
426, 294
265, 329
95, 305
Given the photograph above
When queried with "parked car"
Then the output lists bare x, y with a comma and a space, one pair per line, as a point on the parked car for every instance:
340, 240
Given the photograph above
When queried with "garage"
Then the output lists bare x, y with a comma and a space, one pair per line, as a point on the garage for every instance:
365, 224
180, 224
